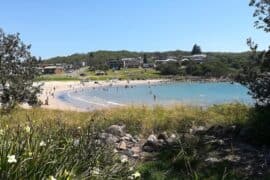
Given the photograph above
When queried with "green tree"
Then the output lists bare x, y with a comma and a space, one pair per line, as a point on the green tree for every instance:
262, 12
196, 49
145, 59
18, 69
256, 74
169, 68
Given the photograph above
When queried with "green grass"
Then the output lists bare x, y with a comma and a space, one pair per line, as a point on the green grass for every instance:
123, 74
60, 158
126, 74
57, 77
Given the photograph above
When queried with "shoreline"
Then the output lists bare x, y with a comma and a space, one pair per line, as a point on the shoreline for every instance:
51, 89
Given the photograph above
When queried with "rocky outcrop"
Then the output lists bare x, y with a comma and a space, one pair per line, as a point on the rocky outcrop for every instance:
216, 144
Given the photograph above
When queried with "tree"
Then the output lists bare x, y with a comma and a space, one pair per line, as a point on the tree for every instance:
256, 75
169, 68
196, 49
145, 59
18, 69
262, 12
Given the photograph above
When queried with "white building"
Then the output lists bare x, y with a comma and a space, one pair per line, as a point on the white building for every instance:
196, 57
157, 62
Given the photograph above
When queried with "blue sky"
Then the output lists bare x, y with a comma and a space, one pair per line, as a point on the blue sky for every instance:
58, 27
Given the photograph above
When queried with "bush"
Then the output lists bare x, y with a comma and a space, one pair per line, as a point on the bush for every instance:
56, 151
168, 69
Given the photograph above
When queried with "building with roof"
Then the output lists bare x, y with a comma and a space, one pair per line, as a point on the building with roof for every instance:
53, 70
132, 62
196, 57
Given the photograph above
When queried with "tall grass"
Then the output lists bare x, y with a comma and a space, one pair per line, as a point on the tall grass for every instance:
44, 150
63, 144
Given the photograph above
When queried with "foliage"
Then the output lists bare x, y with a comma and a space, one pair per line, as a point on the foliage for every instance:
69, 148
126, 74
170, 68
196, 50
43, 151
262, 13
145, 59
17, 72
256, 74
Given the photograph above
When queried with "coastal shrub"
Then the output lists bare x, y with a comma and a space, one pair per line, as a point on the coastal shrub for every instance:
256, 74
30, 151
18, 70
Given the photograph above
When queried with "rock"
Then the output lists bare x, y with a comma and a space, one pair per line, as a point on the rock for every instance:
163, 136
136, 150
212, 160
152, 144
128, 137
122, 145
136, 156
216, 141
200, 128
123, 158
232, 158
108, 138
116, 130
173, 136
152, 138
171, 141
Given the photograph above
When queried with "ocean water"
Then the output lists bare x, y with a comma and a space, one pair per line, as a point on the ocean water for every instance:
195, 93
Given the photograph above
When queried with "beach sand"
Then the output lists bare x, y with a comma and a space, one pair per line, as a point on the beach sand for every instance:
51, 88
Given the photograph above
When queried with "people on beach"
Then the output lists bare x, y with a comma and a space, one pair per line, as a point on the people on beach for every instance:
47, 101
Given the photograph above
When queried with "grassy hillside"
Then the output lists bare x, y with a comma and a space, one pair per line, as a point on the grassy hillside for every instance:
102, 56
41, 143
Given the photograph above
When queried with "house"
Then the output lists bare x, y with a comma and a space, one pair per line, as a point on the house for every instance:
147, 65
132, 62
115, 64
165, 61
196, 57
53, 70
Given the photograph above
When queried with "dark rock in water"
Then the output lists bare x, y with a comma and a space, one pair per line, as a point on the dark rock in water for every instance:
116, 130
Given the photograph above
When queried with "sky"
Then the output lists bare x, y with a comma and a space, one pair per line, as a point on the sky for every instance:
64, 27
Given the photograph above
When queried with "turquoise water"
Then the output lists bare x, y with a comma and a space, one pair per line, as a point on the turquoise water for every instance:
202, 94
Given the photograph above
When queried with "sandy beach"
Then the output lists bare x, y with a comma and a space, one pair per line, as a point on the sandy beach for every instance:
51, 88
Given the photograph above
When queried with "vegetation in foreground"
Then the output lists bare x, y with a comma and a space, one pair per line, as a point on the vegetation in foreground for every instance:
42, 144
